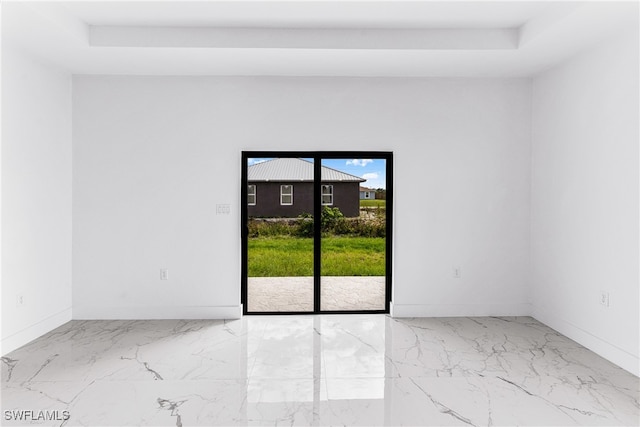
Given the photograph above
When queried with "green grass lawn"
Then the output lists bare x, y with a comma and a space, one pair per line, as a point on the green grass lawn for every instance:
292, 256
373, 203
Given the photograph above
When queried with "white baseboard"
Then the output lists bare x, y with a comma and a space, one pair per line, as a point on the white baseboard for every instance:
34, 331
143, 312
612, 353
460, 310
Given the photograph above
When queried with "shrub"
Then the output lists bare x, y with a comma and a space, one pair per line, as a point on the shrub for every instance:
305, 225
368, 228
263, 228
330, 216
343, 226
333, 223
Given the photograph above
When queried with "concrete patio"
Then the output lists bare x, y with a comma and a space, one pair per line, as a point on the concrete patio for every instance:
278, 294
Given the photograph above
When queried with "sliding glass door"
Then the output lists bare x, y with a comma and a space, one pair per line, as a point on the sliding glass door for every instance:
279, 253
316, 232
353, 234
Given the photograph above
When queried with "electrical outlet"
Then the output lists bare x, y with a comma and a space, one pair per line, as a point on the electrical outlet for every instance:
604, 298
164, 274
19, 300
456, 272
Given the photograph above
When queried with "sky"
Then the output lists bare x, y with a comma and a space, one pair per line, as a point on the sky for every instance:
373, 170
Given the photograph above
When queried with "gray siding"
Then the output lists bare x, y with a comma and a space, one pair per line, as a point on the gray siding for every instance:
345, 197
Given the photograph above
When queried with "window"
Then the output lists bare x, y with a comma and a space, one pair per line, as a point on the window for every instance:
251, 195
327, 195
286, 194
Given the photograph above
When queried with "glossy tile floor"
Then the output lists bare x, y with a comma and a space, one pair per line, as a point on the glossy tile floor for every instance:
317, 370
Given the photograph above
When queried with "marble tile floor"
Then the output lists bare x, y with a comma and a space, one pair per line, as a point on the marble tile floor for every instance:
360, 370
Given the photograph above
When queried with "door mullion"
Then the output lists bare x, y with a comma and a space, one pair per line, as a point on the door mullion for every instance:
317, 231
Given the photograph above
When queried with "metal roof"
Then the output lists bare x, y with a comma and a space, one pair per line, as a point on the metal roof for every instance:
294, 169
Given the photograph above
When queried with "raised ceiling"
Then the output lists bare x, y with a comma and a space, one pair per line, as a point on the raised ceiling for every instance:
311, 38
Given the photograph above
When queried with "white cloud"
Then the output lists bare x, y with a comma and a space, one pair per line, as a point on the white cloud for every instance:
372, 175
256, 161
359, 162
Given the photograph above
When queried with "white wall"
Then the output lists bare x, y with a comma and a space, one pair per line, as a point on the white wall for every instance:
585, 199
154, 155
36, 198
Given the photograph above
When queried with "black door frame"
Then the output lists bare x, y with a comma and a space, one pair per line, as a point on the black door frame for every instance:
317, 235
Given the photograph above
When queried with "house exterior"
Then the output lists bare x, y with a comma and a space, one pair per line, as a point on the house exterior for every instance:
367, 193
283, 187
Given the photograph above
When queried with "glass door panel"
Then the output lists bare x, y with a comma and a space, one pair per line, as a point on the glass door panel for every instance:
353, 242
280, 234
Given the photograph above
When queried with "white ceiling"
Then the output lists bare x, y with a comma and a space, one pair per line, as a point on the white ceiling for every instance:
309, 14
311, 38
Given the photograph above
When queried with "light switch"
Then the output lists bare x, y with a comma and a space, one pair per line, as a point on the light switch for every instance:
224, 209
